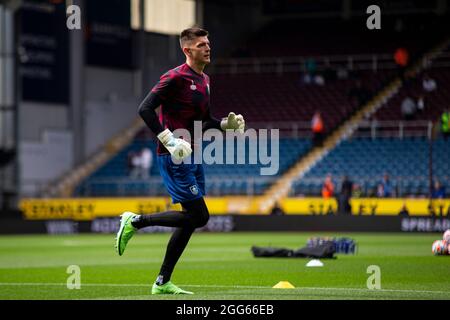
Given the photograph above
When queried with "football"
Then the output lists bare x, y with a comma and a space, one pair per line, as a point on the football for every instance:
446, 237
439, 248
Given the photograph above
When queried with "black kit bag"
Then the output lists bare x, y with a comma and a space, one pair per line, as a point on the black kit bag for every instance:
324, 251
271, 252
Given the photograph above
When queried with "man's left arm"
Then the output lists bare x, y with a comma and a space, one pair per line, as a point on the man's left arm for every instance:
209, 122
231, 122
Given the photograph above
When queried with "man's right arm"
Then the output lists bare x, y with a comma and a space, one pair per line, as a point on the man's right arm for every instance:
148, 113
159, 93
178, 148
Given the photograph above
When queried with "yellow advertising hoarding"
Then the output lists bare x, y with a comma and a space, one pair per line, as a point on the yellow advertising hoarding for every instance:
90, 208
367, 206
308, 206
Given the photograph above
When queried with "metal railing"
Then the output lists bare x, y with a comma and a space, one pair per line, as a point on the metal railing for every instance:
373, 129
441, 61
153, 186
292, 129
411, 186
395, 129
282, 65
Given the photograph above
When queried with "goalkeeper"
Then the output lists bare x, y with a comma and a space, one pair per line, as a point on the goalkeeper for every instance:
183, 94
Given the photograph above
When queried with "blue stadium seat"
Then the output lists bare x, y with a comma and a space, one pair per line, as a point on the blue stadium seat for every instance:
364, 159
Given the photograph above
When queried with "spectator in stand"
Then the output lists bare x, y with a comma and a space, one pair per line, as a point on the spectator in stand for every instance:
401, 58
277, 210
328, 187
428, 84
135, 158
311, 76
140, 163
311, 66
146, 163
438, 191
421, 103
310, 71
380, 191
403, 211
343, 199
408, 108
317, 127
357, 191
130, 165
445, 124
319, 80
387, 186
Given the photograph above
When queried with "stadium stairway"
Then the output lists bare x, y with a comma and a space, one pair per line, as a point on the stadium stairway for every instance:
281, 188
66, 185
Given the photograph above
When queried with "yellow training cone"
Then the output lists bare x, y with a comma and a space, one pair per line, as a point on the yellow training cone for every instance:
283, 285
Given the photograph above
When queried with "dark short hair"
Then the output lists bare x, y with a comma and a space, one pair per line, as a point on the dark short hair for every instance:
191, 33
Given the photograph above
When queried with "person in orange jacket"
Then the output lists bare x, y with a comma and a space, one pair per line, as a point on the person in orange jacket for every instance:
328, 187
317, 127
401, 58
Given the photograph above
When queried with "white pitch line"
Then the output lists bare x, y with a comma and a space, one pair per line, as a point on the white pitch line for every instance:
110, 263
217, 286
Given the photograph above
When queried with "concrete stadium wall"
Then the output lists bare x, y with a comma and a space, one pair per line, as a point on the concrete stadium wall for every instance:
45, 144
44, 159
34, 119
110, 104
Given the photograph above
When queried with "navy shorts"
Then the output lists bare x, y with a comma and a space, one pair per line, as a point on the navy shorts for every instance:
184, 182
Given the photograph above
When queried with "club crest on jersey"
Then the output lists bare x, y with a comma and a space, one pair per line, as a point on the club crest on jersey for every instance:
194, 190
193, 86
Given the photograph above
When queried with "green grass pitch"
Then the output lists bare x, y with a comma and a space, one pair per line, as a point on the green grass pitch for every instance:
220, 266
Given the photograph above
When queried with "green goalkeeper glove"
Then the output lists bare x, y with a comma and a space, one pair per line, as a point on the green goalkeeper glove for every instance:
233, 122
178, 148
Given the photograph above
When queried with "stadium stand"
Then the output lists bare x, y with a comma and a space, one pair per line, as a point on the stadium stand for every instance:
403, 153
112, 179
435, 102
365, 161
271, 98
281, 96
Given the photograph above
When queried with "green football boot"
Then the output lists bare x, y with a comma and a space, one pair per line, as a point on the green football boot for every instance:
126, 231
168, 288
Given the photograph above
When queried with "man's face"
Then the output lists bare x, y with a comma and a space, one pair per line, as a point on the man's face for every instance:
200, 50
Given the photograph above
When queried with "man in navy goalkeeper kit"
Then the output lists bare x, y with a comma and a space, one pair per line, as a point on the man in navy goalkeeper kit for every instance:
183, 94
